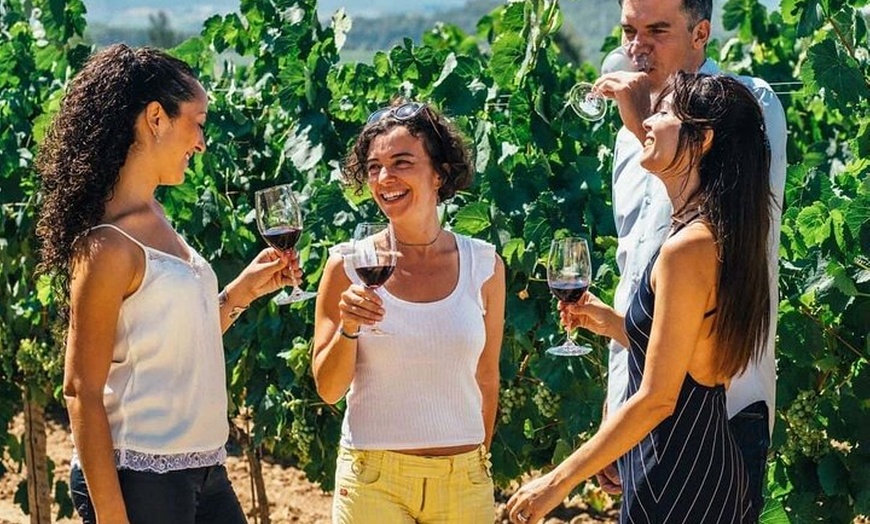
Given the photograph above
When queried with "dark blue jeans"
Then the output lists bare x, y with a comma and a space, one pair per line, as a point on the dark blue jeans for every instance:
189, 496
750, 429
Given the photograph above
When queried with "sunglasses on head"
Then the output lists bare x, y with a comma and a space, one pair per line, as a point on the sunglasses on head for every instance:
405, 111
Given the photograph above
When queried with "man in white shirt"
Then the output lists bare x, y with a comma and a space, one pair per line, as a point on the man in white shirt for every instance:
668, 36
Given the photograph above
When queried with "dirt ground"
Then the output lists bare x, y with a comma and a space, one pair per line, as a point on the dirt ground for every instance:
292, 498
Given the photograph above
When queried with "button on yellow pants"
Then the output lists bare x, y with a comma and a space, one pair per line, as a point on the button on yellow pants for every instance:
385, 487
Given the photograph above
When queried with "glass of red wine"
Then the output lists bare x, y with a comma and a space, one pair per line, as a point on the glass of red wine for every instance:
569, 270
279, 219
374, 258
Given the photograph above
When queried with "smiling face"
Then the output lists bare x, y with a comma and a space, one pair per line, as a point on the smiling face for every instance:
661, 143
401, 177
182, 138
662, 35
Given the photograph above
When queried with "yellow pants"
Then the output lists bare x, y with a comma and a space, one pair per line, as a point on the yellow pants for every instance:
385, 487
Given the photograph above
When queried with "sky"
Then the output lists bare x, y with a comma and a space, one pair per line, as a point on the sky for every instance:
191, 13
134, 13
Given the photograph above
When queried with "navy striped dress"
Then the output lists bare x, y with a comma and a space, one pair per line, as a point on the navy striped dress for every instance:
689, 468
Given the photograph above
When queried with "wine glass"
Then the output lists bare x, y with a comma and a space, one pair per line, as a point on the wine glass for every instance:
588, 103
568, 273
374, 258
279, 219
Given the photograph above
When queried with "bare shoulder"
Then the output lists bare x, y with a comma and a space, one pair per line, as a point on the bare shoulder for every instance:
692, 251
110, 255
695, 243
333, 272
499, 269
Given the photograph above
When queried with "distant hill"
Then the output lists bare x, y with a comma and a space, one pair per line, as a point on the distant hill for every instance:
586, 23
377, 24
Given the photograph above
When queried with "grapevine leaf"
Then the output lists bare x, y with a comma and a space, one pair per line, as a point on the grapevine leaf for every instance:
773, 513
305, 147
744, 15
472, 219
508, 52
814, 224
832, 475
857, 215
513, 251
562, 451
841, 279
733, 14
538, 229
806, 14
860, 146
63, 500
837, 73
838, 223
483, 147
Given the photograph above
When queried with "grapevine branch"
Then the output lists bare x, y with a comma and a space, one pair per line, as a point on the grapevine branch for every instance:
842, 38
828, 331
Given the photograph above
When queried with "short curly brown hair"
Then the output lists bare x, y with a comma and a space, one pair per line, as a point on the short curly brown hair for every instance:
88, 141
446, 146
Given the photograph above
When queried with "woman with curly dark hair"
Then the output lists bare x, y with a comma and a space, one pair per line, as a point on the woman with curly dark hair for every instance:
144, 376
421, 401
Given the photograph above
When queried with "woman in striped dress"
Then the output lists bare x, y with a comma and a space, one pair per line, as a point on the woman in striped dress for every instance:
699, 315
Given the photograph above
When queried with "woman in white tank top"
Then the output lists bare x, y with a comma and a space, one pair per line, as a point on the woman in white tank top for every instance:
421, 401
144, 371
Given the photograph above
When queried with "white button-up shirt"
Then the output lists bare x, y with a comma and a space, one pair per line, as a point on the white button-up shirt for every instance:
642, 211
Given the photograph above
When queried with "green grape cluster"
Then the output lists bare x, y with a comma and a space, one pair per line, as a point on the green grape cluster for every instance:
546, 400
806, 435
510, 399
301, 432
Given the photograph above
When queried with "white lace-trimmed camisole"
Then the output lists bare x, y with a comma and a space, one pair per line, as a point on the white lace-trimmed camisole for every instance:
417, 386
165, 394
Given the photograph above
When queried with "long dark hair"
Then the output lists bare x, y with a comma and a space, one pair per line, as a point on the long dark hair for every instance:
444, 143
734, 197
88, 141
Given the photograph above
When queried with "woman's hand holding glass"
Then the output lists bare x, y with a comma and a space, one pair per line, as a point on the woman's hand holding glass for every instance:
591, 314
279, 219
374, 258
359, 306
569, 270
268, 272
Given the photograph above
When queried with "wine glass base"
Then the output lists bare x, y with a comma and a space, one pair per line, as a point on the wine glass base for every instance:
588, 104
297, 295
569, 350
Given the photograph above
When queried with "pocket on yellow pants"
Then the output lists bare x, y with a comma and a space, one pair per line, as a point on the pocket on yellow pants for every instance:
355, 470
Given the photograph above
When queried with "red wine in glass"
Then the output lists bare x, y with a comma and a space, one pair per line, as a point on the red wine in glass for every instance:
569, 270
375, 276
282, 238
568, 291
374, 258
279, 219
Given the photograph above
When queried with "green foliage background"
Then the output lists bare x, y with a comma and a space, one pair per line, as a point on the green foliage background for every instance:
288, 115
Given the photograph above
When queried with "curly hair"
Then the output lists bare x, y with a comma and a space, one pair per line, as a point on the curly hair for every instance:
735, 198
445, 144
88, 141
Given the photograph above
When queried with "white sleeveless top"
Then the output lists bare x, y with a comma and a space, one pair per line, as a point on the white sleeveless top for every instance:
165, 395
416, 387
